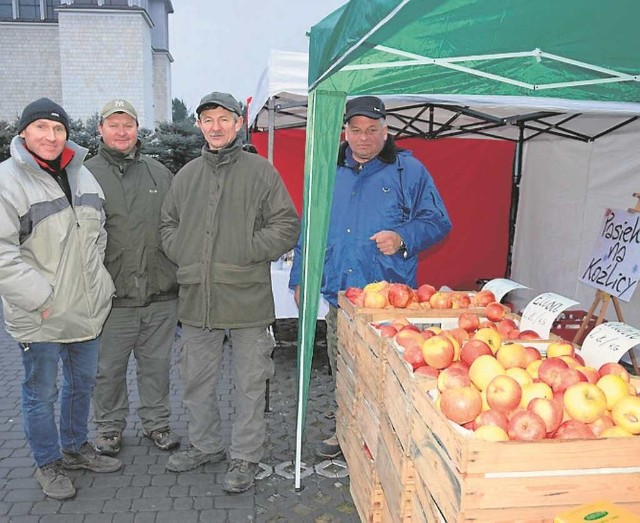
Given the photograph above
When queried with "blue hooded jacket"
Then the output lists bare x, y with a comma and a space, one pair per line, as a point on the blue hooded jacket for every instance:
395, 192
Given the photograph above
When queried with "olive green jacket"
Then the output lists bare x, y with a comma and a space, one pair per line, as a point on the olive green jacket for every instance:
134, 187
226, 217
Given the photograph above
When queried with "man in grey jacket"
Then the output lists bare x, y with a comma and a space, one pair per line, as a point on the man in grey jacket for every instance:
145, 309
55, 291
225, 218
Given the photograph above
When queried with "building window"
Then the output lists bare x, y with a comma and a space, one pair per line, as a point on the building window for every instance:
6, 9
116, 2
49, 7
29, 9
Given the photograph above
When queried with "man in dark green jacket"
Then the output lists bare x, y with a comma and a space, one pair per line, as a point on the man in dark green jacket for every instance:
226, 217
144, 314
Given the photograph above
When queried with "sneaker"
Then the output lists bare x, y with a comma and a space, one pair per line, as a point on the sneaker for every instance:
87, 458
109, 443
54, 481
240, 475
192, 458
329, 448
164, 439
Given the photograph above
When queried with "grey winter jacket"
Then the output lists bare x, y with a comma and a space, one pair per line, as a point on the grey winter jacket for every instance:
226, 217
51, 252
134, 186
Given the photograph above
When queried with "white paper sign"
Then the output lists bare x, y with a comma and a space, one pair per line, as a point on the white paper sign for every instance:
614, 264
608, 342
542, 311
501, 286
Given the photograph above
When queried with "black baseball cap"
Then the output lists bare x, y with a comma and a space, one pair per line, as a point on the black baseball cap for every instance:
369, 106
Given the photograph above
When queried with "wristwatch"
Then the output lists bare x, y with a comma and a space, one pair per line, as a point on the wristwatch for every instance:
403, 248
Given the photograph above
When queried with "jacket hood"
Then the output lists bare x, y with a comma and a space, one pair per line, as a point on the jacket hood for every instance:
387, 155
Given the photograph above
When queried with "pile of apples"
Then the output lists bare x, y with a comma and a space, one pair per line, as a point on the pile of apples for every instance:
383, 295
509, 391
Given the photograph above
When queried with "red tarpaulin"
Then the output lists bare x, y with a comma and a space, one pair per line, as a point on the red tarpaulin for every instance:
474, 178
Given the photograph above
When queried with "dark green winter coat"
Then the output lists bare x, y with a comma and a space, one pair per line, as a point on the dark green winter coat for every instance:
226, 217
134, 187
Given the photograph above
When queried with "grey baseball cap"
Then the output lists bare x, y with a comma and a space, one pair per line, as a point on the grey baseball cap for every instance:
216, 99
118, 106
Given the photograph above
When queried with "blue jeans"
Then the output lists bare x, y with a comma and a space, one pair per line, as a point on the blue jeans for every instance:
40, 392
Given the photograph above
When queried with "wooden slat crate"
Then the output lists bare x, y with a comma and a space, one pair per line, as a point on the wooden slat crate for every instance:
423, 507
346, 386
513, 481
396, 472
365, 486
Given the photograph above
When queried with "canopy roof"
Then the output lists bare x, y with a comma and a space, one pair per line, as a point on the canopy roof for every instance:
573, 49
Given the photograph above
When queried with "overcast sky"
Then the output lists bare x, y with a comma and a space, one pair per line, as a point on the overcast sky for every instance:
224, 46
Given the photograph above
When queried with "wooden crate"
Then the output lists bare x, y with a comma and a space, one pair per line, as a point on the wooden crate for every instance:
396, 472
364, 483
397, 384
423, 507
512, 481
346, 385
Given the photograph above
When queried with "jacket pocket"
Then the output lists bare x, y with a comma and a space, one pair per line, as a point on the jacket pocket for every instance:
239, 275
165, 273
189, 274
113, 263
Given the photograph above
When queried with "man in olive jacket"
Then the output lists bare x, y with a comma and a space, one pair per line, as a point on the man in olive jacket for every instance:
144, 316
226, 217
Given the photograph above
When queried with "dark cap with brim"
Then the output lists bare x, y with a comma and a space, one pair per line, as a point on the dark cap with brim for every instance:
369, 106
216, 99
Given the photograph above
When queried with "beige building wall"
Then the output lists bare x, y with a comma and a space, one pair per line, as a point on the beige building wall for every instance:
29, 66
162, 86
120, 64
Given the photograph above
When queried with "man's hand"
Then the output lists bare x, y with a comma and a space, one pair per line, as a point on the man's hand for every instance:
388, 242
296, 295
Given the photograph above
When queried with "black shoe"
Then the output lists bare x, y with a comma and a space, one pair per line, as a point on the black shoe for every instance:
329, 448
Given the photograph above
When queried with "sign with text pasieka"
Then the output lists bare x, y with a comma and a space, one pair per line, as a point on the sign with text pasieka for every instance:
614, 264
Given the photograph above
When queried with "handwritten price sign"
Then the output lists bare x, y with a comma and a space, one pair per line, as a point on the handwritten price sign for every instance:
501, 286
542, 311
614, 265
608, 342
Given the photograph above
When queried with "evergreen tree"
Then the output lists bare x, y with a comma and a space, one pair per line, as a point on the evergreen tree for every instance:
174, 144
180, 113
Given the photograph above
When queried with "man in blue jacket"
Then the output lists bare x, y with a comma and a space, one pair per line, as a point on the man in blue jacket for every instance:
386, 209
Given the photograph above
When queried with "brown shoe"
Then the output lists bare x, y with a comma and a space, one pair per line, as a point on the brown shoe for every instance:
108, 443
54, 481
87, 458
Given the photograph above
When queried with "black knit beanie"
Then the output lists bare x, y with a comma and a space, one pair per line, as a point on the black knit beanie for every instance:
43, 109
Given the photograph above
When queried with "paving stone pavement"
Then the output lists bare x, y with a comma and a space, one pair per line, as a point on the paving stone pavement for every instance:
143, 491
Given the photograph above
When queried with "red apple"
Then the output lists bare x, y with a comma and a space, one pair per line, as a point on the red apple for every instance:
589, 372
452, 377
550, 372
438, 351
441, 300
459, 334
492, 417
413, 356
407, 337
549, 410
603, 423
490, 336
533, 354
528, 334
468, 321
427, 333
487, 324
495, 311
461, 404
483, 298
426, 370
354, 295
410, 327
503, 393
424, 292
573, 429
471, 349
400, 295
460, 300
614, 368
505, 326
483, 369
525, 425
571, 376
387, 331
